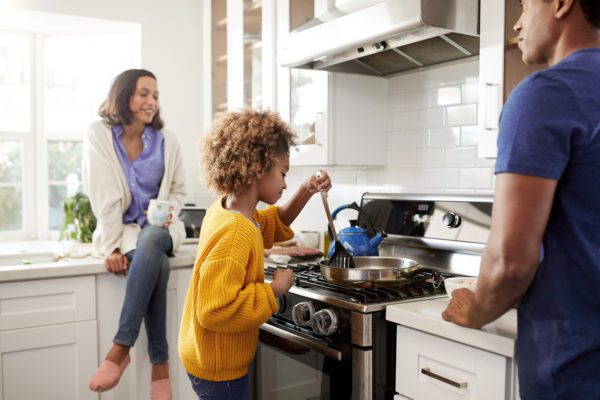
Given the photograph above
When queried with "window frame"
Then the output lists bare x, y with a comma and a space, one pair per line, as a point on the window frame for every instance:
28, 186
35, 175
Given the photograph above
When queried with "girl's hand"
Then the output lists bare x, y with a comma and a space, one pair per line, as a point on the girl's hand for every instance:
116, 262
283, 279
319, 182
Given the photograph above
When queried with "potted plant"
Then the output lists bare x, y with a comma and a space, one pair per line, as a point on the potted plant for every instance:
80, 221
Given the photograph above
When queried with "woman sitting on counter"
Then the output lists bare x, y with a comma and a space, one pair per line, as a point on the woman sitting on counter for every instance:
129, 159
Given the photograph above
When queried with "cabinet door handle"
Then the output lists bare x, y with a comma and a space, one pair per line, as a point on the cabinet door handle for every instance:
491, 113
320, 126
427, 371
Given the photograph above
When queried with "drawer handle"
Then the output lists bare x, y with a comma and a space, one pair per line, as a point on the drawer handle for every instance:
427, 371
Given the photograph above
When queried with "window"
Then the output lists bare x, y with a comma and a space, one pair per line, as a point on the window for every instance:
11, 190
51, 85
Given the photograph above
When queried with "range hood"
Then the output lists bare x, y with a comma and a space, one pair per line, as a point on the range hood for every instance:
385, 37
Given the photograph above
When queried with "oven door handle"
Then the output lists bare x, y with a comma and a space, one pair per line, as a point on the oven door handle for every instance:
319, 348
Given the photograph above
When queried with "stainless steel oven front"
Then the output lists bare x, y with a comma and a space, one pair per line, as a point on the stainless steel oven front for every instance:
315, 350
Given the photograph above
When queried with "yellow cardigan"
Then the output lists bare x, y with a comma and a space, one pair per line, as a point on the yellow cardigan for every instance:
227, 298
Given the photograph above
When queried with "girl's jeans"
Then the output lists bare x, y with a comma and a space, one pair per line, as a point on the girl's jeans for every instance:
146, 293
237, 389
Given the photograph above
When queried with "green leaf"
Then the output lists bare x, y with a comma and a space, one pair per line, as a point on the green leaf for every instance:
80, 221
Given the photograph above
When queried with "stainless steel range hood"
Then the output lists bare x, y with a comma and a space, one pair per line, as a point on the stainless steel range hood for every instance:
385, 38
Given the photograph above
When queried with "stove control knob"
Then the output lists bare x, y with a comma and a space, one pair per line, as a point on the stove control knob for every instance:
302, 313
325, 322
451, 220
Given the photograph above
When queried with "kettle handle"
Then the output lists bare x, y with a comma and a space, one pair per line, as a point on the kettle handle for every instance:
370, 229
352, 205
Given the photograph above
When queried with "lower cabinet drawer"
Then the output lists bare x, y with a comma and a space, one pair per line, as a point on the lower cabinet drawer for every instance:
430, 367
47, 301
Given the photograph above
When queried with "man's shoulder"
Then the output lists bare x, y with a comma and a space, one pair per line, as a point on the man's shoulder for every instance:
544, 85
582, 65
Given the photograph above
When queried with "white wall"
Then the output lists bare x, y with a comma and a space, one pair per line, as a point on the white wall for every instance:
171, 49
432, 144
432, 137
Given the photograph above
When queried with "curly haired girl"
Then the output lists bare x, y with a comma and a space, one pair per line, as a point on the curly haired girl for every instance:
246, 159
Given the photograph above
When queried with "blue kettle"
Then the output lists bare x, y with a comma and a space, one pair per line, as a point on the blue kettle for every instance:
356, 239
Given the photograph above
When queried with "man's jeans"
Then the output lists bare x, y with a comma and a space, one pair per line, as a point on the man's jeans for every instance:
146, 293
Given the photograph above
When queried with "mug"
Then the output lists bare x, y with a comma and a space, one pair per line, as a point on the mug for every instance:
308, 239
160, 212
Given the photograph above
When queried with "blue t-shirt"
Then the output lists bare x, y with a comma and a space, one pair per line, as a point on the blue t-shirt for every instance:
550, 127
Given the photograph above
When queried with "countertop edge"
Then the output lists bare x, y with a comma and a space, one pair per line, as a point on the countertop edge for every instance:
497, 337
184, 258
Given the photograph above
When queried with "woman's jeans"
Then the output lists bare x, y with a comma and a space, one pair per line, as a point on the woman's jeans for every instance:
237, 389
146, 293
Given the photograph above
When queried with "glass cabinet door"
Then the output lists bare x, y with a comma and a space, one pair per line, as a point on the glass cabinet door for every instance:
219, 56
308, 88
240, 46
253, 54
307, 104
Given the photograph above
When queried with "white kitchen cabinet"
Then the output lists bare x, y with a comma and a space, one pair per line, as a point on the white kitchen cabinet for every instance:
334, 115
240, 49
500, 66
135, 382
48, 339
339, 118
430, 367
180, 281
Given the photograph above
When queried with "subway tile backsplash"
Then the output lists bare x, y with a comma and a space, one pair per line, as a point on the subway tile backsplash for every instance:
432, 138
432, 144
433, 114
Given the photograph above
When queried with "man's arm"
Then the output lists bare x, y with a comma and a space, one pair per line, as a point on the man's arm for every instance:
522, 205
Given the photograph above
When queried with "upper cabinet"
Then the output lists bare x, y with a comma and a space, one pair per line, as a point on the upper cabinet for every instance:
500, 66
241, 39
334, 114
217, 12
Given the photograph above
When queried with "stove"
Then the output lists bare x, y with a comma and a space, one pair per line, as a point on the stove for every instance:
338, 335
310, 283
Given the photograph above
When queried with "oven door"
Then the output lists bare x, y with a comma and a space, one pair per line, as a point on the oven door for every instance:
291, 364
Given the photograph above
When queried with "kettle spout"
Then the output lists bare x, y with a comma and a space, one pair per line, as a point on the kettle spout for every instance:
376, 240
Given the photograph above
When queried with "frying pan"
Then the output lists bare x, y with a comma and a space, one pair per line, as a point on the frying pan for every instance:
375, 271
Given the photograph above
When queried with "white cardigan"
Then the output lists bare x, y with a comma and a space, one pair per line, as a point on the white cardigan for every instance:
105, 184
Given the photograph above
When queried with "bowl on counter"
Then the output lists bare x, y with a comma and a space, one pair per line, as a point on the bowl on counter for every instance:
459, 282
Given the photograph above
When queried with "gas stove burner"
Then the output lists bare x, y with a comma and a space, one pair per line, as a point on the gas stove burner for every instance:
296, 268
308, 276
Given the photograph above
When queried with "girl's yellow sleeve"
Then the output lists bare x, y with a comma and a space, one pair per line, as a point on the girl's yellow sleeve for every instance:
272, 229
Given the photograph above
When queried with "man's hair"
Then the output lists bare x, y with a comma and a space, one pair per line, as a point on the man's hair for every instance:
115, 110
591, 10
241, 146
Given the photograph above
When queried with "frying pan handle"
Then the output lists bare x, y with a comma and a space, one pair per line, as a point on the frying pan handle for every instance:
403, 273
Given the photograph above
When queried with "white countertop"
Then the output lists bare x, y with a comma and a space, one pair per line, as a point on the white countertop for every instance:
498, 337
184, 258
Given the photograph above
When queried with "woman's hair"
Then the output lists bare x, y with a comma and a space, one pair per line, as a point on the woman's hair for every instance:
591, 10
241, 146
115, 109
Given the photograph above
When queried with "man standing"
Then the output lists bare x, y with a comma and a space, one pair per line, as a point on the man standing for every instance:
544, 246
